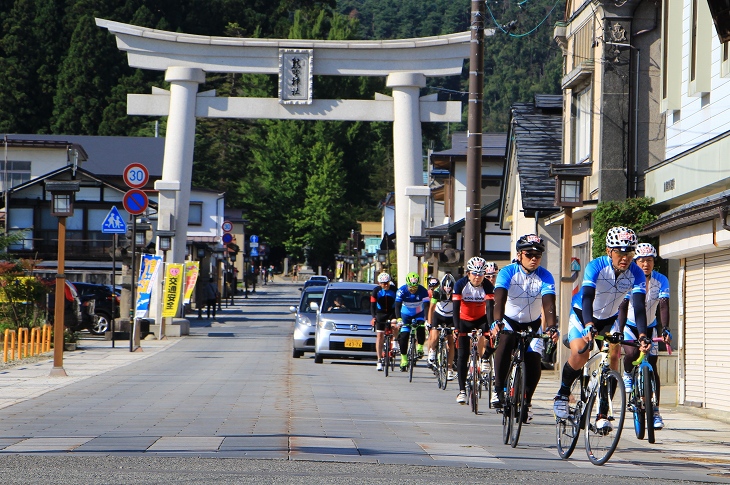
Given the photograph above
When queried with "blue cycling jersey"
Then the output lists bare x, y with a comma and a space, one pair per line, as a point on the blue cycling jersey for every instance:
524, 291
412, 303
657, 289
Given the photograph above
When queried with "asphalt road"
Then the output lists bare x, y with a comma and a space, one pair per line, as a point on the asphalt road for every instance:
229, 404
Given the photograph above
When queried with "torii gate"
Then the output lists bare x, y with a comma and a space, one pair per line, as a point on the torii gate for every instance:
186, 58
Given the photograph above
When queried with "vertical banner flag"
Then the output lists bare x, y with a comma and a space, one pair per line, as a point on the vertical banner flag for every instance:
147, 276
174, 274
192, 270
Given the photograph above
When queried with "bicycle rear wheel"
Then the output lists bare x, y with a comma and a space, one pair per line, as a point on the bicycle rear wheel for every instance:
567, 430
605, 414
386, 354
443, 364
648, 390
411, 354
517, 402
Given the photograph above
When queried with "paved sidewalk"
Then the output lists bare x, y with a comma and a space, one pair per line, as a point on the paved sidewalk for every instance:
95, 357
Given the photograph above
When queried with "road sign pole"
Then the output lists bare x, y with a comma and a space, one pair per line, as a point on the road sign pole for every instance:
114, 283
133, 313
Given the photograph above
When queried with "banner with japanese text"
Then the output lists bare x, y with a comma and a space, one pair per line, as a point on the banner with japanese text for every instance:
174, 277
148, 269
192, 270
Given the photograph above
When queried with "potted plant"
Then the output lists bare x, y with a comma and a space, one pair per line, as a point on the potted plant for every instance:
70, 340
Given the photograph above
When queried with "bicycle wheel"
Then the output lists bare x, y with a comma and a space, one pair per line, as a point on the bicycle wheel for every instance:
475, 388
567, 430
386, 355
637, 406
648, 390
607, 408
411, 354
489, 381
517, 402
443, 364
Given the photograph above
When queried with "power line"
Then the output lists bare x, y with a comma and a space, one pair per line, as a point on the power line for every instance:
500, 27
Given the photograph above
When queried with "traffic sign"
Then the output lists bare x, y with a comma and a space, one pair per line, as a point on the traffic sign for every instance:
254, 238
227, 226
227, 238
135, 201
113, 223
136, 175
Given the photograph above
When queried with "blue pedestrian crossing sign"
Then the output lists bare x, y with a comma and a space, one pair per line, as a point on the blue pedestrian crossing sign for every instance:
113, 223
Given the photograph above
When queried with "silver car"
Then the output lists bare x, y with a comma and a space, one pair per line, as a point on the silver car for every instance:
306, 320
343, 323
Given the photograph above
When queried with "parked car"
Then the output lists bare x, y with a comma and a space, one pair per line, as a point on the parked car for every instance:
73, 310
306, 319
98, 319
343, 323
316, 280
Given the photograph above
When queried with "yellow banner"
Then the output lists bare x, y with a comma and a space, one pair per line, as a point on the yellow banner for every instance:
173, 289
192, 270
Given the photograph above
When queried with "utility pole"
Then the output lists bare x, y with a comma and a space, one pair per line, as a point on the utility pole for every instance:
472, 217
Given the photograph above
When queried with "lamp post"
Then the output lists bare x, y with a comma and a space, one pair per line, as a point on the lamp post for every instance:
568, 194
62, 206
419, 249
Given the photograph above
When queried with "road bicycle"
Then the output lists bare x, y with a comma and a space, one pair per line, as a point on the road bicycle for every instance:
473, 377
388, 350
642, 398
514, 410
412, 353
598, 394
441, 368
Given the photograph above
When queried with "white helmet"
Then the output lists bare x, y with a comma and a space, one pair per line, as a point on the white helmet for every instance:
383, 278
492, 267
622, 238
476, 265
644, 250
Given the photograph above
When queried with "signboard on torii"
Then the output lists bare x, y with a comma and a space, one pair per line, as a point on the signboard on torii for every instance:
186, 58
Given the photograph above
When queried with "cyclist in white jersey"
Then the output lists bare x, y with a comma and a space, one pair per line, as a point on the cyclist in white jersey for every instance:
522, 293
657, 296
441, 314
605, 282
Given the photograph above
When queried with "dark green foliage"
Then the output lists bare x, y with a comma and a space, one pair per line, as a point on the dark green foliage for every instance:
632, 213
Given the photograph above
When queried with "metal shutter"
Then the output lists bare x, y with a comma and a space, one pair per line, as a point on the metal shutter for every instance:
694, 333
717, 331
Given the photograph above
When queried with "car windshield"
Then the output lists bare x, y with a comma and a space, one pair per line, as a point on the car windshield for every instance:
347, 301
309, 297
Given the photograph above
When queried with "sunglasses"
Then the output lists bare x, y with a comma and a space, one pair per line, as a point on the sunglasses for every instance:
532, 255
623, 254
491, 276
477, 273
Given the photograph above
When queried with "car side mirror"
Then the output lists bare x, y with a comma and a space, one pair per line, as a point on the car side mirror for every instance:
293, 309
314, 306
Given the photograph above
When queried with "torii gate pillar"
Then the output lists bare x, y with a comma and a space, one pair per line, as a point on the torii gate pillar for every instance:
407, 159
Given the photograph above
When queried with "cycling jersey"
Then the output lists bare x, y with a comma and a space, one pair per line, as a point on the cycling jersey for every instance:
383, 300
444, 305
610, 290
412, 304
473, 300
657, 289
524, 291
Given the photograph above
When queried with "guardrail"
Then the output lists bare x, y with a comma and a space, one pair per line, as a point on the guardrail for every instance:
24, 342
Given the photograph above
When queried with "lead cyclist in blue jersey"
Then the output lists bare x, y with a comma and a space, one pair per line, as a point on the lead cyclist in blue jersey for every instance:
411, 307
607, 279
657, 295
523, 292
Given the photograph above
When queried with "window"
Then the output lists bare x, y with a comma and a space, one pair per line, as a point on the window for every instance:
18, 173
725, 69
582, 126
195, 215
693, 44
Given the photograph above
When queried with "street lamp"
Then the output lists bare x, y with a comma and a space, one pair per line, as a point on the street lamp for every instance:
62, 206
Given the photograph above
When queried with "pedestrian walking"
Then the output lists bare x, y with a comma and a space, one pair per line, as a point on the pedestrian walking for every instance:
211, 296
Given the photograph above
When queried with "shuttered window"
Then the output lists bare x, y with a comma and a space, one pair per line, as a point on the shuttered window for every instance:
694, 338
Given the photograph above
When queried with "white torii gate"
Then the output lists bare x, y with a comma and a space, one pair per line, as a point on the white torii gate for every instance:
186, 58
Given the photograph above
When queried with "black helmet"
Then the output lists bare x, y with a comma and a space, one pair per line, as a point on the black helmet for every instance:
530, 241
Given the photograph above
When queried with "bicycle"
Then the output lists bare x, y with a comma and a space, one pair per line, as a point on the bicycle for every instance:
473, 378
488, 379
602, 388
412, 354
388, 352
514, 410
642, 398
441, 369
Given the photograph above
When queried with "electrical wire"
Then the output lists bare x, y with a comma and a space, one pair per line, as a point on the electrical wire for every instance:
526, 33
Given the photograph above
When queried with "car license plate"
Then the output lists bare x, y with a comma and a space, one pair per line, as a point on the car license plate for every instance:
353, 343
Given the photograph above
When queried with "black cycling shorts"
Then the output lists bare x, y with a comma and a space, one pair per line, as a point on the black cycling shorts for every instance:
442, 321
382, 321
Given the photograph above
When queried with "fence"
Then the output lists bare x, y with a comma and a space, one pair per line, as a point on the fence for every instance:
24, 342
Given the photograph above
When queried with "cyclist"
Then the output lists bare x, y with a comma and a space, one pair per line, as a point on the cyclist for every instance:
522, 293
473, 304
382, 309
441, 314
433, 284
595, 308
657, 295
491, 275
411, 306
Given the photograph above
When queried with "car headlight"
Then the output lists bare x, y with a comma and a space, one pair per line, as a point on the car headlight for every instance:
304, 320
327, 325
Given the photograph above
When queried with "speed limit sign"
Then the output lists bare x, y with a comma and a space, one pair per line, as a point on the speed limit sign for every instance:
227, 226
136, 175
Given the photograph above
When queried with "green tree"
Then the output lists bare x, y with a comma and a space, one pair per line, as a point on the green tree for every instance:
632, 213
